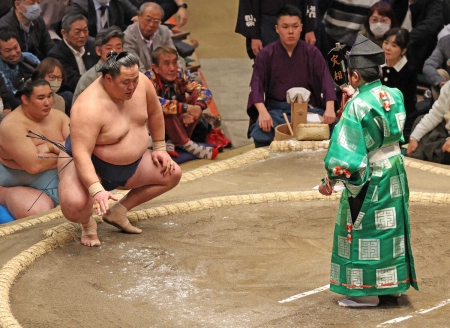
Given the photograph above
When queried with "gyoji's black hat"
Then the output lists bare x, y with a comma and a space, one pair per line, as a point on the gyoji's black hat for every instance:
365, 53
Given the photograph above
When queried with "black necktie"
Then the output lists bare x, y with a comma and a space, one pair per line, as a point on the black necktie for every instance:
104, 17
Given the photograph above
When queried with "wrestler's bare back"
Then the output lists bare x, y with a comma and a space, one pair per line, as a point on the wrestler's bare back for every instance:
122, 133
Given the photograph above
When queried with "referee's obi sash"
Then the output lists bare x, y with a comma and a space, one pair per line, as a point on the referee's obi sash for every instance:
383, 153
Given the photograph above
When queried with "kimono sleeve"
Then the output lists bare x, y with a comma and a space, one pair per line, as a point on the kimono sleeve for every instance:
347, 159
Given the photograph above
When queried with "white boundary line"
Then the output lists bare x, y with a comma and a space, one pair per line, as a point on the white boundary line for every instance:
423, 311
296, 297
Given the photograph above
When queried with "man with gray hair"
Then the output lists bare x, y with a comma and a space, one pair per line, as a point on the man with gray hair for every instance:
108, 141
147, 34
108, 40
76, 51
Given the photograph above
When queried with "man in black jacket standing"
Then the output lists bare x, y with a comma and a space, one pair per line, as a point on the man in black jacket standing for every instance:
76, 51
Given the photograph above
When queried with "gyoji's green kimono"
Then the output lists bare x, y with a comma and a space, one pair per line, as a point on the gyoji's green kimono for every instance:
371, 253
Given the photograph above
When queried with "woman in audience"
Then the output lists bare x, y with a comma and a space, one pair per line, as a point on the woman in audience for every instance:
380, 19
52, 70
397, 73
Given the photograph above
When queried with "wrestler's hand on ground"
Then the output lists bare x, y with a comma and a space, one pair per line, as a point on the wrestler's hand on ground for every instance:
412, 146
256, 46
329, 116
325, 190
100, 201
265, 121
446, 146
163, 160
310, 38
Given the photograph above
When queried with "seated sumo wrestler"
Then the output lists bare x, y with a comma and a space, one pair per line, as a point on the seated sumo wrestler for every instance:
28, 165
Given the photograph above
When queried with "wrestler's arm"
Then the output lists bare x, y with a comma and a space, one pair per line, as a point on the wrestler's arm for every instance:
21, 152
155, 123
85, 127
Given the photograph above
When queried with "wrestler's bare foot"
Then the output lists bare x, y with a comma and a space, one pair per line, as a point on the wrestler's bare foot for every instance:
118, 218
89, 235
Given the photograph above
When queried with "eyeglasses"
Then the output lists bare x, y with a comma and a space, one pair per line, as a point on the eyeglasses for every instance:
54, 77
154, 21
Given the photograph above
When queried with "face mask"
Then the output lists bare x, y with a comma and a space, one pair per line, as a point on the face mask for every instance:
378, 29
103, 2
55, 85
1, 105
33, 11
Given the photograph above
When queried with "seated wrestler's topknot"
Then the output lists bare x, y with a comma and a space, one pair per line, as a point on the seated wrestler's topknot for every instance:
116, 60
27, 85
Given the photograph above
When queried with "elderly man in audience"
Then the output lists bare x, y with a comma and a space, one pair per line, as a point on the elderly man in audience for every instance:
15, 66
110, 39
102, 14
182, 100
76, 52
147, 34
25, 19
28, 166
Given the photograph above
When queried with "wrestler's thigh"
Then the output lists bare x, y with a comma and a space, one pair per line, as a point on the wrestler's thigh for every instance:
71, 189
148, 173
25, 201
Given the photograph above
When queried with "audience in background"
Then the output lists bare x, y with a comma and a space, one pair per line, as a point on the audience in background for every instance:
397, 73
26, 21
102, 14
76, 52
380, 19
15, 66
51, 70
147, 34
110, 39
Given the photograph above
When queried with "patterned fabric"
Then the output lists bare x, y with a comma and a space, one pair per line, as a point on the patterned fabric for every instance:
11, 72
172, 95
371, 252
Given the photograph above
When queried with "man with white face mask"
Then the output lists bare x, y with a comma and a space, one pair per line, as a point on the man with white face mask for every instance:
102, 14
25, 20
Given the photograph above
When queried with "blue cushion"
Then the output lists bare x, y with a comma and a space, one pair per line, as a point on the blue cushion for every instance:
5, 216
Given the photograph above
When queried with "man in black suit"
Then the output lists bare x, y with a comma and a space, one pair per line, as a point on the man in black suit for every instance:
76, 51
104, 13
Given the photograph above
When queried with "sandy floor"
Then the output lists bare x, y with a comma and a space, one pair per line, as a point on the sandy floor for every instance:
233, 266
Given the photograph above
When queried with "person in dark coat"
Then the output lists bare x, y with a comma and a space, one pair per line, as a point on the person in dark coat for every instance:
76, 51
26, 21
257, 19
119, 13
427, 20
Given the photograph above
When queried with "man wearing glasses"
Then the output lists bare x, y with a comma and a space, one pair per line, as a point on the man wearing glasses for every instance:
108, 133
147, 34
76, 51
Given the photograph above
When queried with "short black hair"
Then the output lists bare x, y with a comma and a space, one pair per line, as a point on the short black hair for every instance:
401, 36
69, 19
107, 34
6, 34
368, 74
289, 10
115, 61
27, 86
